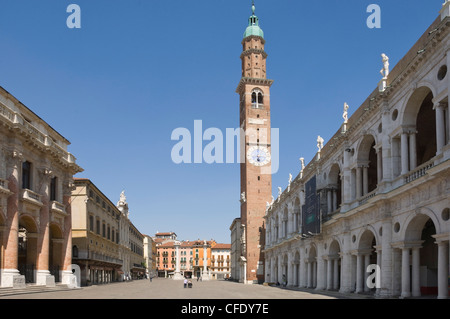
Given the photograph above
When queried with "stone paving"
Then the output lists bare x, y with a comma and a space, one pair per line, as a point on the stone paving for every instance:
160, 288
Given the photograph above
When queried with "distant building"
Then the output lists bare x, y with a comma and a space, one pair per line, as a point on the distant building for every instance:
96, 223
150, 253
106, 244
131, 244
197, 259
235, 251
220, 261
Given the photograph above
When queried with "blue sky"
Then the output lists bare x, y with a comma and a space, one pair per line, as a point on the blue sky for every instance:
138, 69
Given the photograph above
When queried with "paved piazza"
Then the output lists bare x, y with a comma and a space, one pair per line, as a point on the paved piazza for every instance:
171, 289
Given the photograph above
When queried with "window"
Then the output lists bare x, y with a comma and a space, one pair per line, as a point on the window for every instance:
75, 251
257, 99
91, 223
53, 182
98, 226
26, 175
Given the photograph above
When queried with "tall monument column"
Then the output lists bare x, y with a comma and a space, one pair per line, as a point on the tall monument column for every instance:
177, 275
256, 178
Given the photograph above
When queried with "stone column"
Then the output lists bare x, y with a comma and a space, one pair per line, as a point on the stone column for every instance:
396, 273
379, 253
440, 126
359, 273
10, 273
443, 269
68, 277
365, 179
314, 271
43, 276
358, 182
302, 272
329, 263
346, 266
416, 272
205, 275
387, 264
412, 150
366, 274
329, 201
404, 153
379, 165
346, 180
177, 274
334, 206
336, 273
309, 276
406, 284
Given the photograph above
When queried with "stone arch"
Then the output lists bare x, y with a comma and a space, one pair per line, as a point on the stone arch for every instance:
419, 122
334, 265
312, 266
28, 246
334, 193
410, 109
414, 223
366, 237
367, 159
420, 232
334, 247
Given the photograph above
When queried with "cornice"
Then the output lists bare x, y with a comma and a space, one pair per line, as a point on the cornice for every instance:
254, 81
254, 51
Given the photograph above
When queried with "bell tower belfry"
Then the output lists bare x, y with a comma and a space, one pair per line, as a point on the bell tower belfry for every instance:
256, 178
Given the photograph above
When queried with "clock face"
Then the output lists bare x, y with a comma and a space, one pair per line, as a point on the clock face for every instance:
258, 156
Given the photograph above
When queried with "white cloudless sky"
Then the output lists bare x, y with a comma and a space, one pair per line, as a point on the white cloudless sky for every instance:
138, 69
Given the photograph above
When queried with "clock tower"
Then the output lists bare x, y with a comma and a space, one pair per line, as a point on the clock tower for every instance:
256, 176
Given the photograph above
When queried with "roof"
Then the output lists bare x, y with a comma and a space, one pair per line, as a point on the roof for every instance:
222, 246
253, 28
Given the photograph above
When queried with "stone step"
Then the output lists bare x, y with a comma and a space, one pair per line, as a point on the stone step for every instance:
31, 288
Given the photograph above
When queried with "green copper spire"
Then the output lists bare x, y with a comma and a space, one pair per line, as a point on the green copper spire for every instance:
253, 25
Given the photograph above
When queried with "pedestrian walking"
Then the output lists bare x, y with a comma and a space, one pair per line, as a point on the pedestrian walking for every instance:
185, 282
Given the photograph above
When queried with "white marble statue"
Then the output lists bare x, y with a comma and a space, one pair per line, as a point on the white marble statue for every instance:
280, 191
123, 198
385, 70
345, 115
320, 143
302, 160
243, 197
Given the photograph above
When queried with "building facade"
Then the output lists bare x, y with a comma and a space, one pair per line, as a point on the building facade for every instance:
235, 251
220, 261
150, 253
36, 179
95, 235
131, 244
375, 199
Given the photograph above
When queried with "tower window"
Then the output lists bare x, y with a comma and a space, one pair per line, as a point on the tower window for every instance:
257, 99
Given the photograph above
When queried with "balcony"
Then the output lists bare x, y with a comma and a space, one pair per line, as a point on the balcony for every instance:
419, 171
58, 208
4, 187
31, 197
